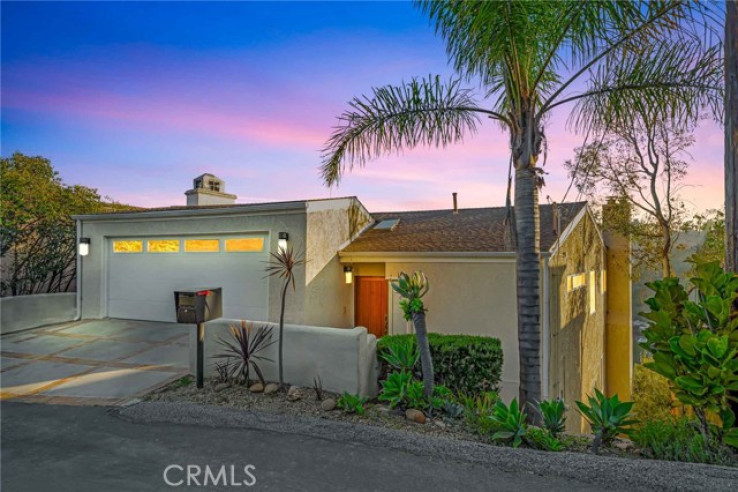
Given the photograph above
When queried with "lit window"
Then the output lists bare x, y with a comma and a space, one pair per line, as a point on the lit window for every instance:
163, 246
127, 246
603, 281
576, 281
592, 292
244, 244
202, 245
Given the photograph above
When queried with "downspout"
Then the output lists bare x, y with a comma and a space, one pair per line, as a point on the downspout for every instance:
546, 330
78, 273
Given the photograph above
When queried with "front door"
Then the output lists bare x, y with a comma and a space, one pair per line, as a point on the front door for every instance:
370, 304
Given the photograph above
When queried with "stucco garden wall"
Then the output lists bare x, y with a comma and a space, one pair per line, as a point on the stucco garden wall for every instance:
345, 359
471, 298
25, 312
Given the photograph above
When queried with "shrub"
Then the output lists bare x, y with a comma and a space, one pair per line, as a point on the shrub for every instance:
695, 342
400, 389
477, 410
552, 416
402, 356
247, 341
509, 423
651, 395
463, 363
351, 403
680, 440
538, 438
607, 416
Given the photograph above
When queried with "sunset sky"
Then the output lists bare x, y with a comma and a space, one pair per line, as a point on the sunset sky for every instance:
136, 99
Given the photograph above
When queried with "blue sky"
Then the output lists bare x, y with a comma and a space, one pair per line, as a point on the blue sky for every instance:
136, 99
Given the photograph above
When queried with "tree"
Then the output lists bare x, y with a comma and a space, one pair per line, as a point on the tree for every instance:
731, 136
283, 265
641, 160
529, 58
712, 223
412, 289
37, 234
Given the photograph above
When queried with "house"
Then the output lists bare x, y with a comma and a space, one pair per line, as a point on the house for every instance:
137, 259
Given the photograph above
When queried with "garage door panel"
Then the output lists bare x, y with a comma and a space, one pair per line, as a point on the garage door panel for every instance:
141, 285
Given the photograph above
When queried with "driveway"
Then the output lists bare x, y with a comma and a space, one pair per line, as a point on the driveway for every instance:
93, 362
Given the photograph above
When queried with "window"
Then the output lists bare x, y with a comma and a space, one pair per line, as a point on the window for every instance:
162, 246
244, 245
592, 292
120, 246
202, 245
576, 281
387, 225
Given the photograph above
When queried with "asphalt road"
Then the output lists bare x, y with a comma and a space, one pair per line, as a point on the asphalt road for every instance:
60, 448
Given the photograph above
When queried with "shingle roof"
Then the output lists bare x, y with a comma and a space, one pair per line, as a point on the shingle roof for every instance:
471, 230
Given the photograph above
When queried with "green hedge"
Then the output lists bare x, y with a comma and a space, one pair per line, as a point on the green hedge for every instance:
463, 363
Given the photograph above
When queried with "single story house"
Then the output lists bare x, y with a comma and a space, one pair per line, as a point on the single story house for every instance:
137, 259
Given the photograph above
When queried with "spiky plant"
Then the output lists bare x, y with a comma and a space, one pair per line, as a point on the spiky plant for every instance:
412, 289
242, 353
283, 265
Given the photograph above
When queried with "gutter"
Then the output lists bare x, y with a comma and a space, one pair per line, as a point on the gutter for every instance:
197, 212
78, 274
414, 256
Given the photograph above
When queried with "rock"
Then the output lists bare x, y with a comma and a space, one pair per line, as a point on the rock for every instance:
328, 404
439, 423
383, 409
221, 386
415, 416
294, 393
256, 388
271, 388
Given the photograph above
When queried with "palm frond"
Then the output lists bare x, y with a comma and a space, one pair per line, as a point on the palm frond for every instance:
283, 264
424, 111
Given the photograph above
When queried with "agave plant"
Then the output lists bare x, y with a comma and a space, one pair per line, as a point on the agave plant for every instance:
283, 265
242, 353
552, 414
412, 289
607, 416
509, 422
402, 356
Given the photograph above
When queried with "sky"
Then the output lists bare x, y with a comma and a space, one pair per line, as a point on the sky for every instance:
136, 99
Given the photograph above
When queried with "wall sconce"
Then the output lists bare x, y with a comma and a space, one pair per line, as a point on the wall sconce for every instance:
282, 243
349, 274
83, 248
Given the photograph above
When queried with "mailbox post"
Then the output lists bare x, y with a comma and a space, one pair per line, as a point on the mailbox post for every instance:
196, 306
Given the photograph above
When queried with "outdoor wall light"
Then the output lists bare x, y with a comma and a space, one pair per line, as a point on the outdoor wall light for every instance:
83, 248
348, 272
282, 243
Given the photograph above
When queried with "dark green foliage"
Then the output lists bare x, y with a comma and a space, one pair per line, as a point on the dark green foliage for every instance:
542, 439
680, 440
607, 416
463, 363
351, 403
552, 415
477, 409
509, 423
402, 356
695, 342
242, 353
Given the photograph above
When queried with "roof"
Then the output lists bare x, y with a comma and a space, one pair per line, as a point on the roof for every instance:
471, 230
184, 210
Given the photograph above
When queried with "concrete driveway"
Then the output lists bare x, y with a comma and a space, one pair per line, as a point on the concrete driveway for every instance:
93, 362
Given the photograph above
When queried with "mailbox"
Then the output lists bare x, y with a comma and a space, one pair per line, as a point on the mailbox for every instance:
195, 306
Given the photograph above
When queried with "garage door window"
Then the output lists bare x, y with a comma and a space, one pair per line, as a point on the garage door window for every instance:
202, 245
163, 246
127, 246
244, 245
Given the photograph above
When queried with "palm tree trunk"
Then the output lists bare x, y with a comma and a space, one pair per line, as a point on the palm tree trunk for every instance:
731, 137
281, 333
527, 222
426, 362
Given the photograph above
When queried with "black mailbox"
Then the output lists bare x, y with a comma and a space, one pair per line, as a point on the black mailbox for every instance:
195, 306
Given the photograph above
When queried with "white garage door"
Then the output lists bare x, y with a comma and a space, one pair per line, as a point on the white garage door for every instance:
143, 274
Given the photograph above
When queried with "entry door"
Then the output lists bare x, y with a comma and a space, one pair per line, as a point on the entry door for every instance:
370, 304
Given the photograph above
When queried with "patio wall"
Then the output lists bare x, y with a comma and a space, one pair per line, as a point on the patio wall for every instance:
345, 359
24, 312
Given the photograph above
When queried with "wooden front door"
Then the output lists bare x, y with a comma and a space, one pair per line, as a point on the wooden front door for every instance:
370, 304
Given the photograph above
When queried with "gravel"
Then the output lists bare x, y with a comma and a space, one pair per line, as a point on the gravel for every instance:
603, 471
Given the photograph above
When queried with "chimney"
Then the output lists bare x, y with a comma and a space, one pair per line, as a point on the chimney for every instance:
208, 189
456, 203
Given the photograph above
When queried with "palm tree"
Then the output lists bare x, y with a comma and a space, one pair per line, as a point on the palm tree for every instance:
283, 265
731, 137
531, 57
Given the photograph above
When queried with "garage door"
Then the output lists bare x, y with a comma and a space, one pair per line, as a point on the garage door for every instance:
143, 273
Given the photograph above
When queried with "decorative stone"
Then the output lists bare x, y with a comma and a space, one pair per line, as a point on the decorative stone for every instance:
415, 416
328, 404
383, 409
439, 423
271, 388
256, 388
221, 386
294, 393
